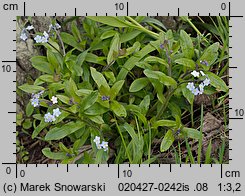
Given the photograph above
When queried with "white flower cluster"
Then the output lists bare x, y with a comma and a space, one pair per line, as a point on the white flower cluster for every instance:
52, 117
42, 39
200, 89
24, 33
35, 99
99, 145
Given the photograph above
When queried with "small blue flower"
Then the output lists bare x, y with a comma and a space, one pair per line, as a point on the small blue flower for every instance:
23, 36
38, 39
201, 88
195, 91
206, 82
42, 39
57, 26
56, 112
105, 98
35, 102
104, 145
204, 62
49, 117
190, 86
30, 27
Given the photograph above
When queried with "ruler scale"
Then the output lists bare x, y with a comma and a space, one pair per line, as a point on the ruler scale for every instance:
74, 179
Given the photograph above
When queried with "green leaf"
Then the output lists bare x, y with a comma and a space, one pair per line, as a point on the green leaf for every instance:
83, 92
64, 99
130, 131
158, 86
208, 153
191, 133
81, 58
186, 63
164, 79
39, 128
110, 76
210, 55
71, 89
88, 101
138, 84
58, 133
154, 59
61, 117
167, 141
116, 88
114, 48
130, 63
217, 82
29, 109
70, 40
31, 88
154, 21
96, 109
97, 119
164, 123
52, 58
118, 109
75, 31
54, 155
108, 34
186, 44
41, 63
125, 37
187, 93
99, 78
27, 124
47, 78
92, 58
144, 104
111, 21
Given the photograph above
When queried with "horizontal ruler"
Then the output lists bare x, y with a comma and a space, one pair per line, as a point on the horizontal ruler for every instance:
174, 179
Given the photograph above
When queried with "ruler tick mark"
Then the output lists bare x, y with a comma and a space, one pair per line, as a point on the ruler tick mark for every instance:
118, 171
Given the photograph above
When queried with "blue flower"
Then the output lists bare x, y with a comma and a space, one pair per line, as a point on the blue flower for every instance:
56, 112
195, 91
204, 62
105, 98
104, 145
42, 39
23, 36
206, 82
38, 39
35, 102
49, 117
201, 88
190, 86
30, 27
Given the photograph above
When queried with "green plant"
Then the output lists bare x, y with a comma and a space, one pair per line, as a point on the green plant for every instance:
117, 85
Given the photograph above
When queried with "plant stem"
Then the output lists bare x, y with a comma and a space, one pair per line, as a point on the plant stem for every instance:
123, 141
54, 48
199, 154
164, 106
61, 42
192, 115
155, 27
140, 27
149, 148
